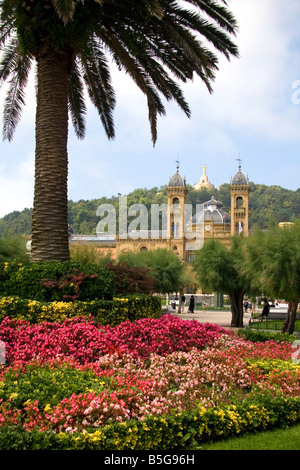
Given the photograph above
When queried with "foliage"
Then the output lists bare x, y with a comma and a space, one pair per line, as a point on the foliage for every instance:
89, 254
273, 264
28, 280
219, 269
269, 205
13, 247
272, 325
132, 279
258, 336
165, 267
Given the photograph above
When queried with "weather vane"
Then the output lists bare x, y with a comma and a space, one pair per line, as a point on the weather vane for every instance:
177, 161
240, 162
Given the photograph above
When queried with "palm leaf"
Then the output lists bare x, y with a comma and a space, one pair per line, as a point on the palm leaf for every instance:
15, 96
65, 9
8, 60
77, 106
98, 81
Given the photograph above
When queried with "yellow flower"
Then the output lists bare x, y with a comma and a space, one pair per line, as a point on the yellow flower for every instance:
48, 408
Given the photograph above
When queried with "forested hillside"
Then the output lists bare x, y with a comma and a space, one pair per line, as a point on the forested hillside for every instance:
268, 204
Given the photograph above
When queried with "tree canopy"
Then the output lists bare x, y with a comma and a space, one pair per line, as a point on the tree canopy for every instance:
219, 269
273, 264
164, 266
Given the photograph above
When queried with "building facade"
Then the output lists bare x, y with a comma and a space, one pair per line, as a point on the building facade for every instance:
210, 221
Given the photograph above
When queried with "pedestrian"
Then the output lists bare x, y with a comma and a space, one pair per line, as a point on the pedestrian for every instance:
266, 309
192, 304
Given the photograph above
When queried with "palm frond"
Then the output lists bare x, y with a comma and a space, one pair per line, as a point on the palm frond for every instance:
219, 13
140, 76
77, 106
15, 96
98, 81
154, 8
65, 9
8, 59
6, 30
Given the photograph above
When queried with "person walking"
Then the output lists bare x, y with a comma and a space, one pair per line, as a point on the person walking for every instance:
192, 304
266, 309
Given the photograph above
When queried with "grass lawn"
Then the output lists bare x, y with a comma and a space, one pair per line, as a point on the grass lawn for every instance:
272, 325
281, 439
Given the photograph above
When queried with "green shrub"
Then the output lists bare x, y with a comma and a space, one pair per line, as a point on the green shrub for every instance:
31, 280
257, 336
13, 247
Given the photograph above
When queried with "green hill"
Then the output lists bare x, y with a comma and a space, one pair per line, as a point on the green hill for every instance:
268, 205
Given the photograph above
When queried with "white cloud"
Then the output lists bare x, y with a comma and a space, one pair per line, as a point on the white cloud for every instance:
16, 185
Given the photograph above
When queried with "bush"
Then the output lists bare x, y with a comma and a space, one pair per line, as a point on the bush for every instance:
48, 281
258, 336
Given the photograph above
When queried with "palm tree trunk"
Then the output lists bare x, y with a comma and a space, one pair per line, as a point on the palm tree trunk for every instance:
237, 312
50, 209
289, 324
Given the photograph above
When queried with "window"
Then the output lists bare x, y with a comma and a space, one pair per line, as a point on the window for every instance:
239, 202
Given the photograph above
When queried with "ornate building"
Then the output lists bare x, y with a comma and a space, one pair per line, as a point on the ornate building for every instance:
210, 221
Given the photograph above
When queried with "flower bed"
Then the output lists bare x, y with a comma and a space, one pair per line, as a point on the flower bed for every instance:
151, 384
105, 312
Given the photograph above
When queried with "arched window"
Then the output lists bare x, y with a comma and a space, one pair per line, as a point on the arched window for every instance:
239, 202
175, 201
143, 248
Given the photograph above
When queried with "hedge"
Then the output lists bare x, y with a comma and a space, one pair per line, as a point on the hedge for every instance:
29, 280
105, 312
182, 431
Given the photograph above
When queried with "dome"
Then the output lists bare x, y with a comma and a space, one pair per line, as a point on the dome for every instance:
177, 180
239, 178
212, 212
213, 204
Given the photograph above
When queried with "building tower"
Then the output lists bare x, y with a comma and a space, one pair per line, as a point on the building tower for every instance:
203, 182
239, 191
176, 192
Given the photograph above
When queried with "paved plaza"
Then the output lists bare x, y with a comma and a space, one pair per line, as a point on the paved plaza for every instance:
221, 318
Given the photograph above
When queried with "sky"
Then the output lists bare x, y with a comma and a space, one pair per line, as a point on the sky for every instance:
253, 114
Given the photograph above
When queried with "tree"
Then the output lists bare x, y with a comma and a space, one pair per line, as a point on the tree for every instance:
156, 42
273, 263
164, 266
219, 269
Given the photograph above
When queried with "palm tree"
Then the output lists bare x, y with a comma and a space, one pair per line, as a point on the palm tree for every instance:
156, 42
